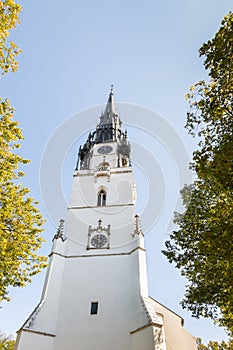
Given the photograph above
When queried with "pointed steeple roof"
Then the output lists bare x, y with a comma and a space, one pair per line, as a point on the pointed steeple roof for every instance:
109, 115
110, 106
107, 130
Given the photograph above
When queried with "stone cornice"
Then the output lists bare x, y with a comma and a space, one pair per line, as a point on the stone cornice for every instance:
95, 255
36, 332
91, 172
107, 206
153, 324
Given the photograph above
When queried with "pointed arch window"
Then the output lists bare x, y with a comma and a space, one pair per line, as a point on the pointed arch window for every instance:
107, 135
101, 200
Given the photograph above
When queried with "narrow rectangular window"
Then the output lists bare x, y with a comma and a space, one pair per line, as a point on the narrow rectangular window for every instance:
94, 308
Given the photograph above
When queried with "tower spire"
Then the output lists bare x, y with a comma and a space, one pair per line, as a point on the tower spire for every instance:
109, 127
110, 113
108, 130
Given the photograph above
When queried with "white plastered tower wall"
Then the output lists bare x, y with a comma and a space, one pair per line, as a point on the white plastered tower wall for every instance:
98, 259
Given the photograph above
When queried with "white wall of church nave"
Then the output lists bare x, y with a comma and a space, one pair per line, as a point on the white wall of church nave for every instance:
144, 340
33, 341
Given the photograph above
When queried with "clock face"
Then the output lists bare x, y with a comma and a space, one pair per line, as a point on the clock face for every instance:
104, 149
98, 241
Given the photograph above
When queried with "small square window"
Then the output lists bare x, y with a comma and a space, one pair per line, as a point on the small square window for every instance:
94, 308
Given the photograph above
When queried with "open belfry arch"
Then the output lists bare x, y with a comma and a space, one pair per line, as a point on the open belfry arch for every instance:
95, 295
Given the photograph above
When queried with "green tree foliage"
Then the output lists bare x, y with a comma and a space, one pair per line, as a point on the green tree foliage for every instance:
202, 246
20, 220
9, 18
6, 343
213, 345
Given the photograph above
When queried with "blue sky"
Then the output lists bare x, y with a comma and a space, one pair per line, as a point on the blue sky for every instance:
72, 52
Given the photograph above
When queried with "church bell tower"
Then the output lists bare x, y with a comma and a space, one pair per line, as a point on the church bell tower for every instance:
95, 295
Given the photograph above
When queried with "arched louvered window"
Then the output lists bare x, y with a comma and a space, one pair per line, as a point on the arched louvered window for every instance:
101, 200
